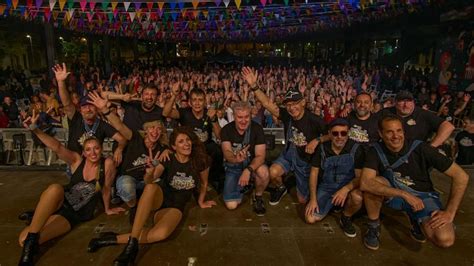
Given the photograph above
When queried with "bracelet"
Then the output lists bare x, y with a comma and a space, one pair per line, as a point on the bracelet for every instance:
250, 169
255, 88
107, 113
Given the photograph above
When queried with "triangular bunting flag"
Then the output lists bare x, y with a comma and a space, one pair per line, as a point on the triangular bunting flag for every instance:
286, 2
47, 14
160, 5
83, 4
105, 5
254, 7
237, 3
132, 16
181, 5
38, 4
205, 13
149, 5
70, 13
90, 16
114, 5
61, 4
115, 13
70, 4
15, 4
55, 14
218, 2
195, 3
173, 5
126, 5
148, 16
137, 5
263, 2
174, 15
29, 3
92, 5
52, 3
195, 13
226, 3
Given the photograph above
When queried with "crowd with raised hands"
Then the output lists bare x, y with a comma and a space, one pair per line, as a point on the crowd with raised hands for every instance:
343, 150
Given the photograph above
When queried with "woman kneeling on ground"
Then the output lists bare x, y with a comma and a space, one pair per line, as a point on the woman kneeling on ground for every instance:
61, 208
169, 187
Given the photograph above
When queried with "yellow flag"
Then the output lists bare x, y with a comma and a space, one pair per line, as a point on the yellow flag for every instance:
61, 4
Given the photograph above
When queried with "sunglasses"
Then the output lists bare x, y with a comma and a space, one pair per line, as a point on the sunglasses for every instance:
339, 133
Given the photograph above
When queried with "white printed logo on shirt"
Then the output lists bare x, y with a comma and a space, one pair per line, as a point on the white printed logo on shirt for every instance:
298, 137
466, 142
358, 134
182, 182
202, 135
406, 180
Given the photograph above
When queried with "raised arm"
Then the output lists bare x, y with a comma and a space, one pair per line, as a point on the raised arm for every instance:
168, 110
70, 157
114, 120
61, 74
251, 76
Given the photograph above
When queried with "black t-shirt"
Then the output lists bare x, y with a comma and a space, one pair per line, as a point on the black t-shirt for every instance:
465, 141
304, 130
363, 131
135, 116
415, 172
257, 137
178, 182
77, 132
202, 127
420, 125
359, 158
136, 156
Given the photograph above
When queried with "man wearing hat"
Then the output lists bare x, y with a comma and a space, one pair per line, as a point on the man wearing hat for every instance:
84, 122
335, 174
420, 124
303, 130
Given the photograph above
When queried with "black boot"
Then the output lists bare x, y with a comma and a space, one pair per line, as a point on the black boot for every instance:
128, 255
105, 239
26, 216
30, 247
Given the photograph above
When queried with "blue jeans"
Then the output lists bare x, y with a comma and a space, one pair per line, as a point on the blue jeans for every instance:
232, 188
289, 160
127, 187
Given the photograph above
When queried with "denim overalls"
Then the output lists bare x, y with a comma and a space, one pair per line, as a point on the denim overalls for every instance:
431, 200
338, 171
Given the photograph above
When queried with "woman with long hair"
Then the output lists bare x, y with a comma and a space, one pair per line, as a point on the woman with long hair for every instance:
61, 208
173, 183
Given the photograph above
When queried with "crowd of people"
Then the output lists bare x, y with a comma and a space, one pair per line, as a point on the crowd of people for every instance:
346, 146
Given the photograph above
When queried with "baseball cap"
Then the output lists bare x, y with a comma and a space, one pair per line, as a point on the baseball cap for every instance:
292, 95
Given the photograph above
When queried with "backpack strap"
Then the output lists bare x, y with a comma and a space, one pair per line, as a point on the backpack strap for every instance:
381, 155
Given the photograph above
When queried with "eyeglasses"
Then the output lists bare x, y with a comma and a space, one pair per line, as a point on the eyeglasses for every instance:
339, 133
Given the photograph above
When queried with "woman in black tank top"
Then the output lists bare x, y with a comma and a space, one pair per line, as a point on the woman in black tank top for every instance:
60, 208
179, 178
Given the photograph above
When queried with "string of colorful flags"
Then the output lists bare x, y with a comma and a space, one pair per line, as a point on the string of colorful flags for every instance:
199, 20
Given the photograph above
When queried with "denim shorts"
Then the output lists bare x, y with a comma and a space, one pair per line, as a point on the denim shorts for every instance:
289, 160
232, 188
431, 201
127, 187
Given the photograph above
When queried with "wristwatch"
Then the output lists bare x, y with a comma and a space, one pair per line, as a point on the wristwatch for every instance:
250, 169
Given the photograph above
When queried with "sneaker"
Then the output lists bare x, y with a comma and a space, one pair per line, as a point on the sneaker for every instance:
258, 205
371, 238
347, 226
416, 232
277, 194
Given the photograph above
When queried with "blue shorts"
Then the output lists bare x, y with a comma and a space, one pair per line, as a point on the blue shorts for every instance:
127, 187
431, 202
232, 188
290, 161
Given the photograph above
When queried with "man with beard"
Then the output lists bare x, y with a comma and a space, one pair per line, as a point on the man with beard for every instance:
420, 124
138, 112
85, 123
363, 124
397, 173
243, 145
204, 123
335, 176
302, 134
